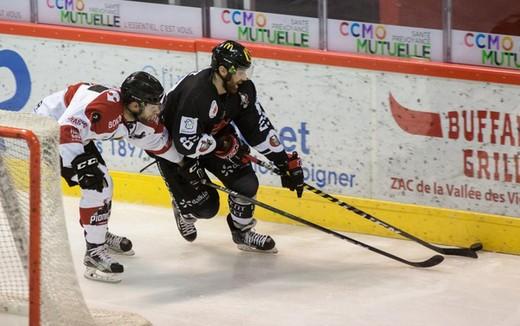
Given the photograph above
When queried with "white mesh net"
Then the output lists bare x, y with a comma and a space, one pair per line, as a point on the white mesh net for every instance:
62, 302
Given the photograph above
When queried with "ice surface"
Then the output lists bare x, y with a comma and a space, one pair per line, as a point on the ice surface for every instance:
315, 279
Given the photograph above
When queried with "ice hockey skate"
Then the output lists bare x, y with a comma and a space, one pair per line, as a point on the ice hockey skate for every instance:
185, 224
248, 240
119, 245
100, 266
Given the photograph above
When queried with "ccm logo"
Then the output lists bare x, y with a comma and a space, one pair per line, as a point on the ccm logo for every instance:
89, 162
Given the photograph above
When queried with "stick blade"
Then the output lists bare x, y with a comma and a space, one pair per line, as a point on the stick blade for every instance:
464, 252
432, 261
476, 246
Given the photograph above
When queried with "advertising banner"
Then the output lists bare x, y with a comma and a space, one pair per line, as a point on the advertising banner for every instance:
389, 136
388, 40
19, 10
260, 27
486, 49
448, 143
124, 16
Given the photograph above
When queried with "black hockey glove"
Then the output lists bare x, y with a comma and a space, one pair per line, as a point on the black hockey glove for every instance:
229, 148
193, 173
292, 173
89, 175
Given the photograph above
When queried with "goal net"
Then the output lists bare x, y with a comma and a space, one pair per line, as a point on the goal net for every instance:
37, 276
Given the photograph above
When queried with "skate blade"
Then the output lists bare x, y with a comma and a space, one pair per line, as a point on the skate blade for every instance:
97, 275
189, 238
244, 247
130, 252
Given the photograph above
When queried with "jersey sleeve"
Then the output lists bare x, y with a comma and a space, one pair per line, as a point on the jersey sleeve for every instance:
74, 129
156, 141
255, 126
71, 144
189, 135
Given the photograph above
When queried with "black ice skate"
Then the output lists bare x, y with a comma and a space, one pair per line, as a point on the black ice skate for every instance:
185, 224
119, 245
248, 240
100, 266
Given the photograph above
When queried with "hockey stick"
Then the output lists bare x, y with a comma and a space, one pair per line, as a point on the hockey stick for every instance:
465, 252
147, 166
432, 261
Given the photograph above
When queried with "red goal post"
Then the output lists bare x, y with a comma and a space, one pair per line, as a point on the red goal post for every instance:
34, 216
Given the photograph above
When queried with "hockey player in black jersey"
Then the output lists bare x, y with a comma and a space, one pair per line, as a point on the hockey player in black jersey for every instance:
201, 113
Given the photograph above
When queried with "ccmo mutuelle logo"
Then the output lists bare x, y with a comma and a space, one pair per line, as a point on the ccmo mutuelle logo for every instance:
484, 127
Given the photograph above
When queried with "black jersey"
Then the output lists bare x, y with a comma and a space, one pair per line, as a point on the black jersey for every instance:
194, 113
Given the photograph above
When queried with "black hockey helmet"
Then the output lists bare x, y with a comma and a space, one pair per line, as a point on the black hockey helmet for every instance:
141, 87
232, 55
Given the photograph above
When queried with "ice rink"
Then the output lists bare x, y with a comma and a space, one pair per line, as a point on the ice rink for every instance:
315, 279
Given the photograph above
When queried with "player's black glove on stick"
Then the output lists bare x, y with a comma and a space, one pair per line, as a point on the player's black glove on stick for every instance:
229, 148
192, 172
292, 173
89, 175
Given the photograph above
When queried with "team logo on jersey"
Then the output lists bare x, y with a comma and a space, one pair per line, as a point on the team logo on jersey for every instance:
188, 125
213, 110
244, 100
205, 145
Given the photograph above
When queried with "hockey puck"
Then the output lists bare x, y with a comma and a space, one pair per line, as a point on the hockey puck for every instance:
476, 246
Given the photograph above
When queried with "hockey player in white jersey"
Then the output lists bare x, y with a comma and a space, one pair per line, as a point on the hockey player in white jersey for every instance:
88, 112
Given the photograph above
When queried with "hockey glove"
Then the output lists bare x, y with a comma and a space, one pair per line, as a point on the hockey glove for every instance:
89, 174
292, 173
193, 173
229, 148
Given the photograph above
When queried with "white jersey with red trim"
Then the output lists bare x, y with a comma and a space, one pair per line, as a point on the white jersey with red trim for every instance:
87, 112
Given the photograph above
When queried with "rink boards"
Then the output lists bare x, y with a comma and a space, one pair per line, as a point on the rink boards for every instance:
428, 147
